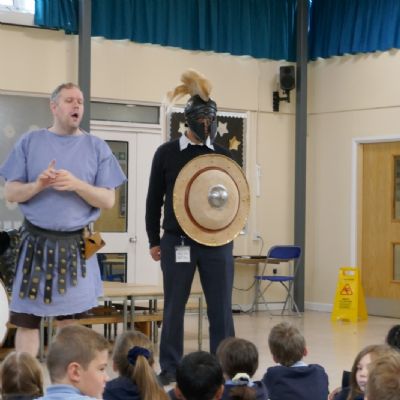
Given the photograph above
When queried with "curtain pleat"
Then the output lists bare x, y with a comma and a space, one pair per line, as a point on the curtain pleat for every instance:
257, 28
339, 27
57, 14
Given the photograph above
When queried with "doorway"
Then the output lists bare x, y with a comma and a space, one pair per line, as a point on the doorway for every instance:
379, 244
126, 255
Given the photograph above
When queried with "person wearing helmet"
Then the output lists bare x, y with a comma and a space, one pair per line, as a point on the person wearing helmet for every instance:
178, 253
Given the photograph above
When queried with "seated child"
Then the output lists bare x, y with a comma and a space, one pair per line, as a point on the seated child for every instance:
133, 359
77, 361
21, 377
384, 377
199, 377
359, 373
239, 362
293, 378
393, 337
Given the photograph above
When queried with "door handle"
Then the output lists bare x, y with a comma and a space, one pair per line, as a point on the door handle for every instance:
133, 239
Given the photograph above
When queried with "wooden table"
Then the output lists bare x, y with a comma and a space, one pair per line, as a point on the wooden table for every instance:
131, 292
128, 294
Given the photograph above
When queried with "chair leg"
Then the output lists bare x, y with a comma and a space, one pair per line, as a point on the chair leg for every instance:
259, 297
289, 301
265, 302
254, 306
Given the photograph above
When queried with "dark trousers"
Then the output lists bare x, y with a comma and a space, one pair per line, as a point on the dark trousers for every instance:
215, 265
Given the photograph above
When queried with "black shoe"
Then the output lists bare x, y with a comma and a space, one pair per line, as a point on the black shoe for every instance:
166, 377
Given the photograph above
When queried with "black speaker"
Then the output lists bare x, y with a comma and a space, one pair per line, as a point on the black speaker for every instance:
275, 101
287, 77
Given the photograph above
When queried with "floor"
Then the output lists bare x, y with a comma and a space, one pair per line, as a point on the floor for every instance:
331, 344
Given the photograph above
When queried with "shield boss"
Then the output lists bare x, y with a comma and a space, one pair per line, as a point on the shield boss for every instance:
211, 199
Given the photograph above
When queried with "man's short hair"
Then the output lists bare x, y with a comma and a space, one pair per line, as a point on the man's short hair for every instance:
199, 376
286, 344
384, 377
56, 92
74, 343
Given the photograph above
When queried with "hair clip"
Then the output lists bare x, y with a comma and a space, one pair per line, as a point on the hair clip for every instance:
137, 351
241, 379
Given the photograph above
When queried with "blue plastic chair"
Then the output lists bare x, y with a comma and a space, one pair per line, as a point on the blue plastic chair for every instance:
278, 255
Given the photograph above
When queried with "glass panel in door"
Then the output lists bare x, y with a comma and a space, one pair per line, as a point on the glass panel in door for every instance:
115, 219
113, 266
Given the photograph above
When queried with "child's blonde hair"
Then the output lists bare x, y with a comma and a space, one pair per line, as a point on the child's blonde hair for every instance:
138, 366
384, 377
21, 375
73, 343
286, 344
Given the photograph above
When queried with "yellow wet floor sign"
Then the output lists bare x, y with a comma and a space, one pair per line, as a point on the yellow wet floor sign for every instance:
349, 302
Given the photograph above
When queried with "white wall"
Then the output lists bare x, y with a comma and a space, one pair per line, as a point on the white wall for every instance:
349, 97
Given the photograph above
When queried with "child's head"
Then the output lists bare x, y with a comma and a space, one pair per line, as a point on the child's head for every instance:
393, 337
360, 369
78, 356
239, 362
384, 377
199, 377
133, 358
237, 356
21, 374
287, 344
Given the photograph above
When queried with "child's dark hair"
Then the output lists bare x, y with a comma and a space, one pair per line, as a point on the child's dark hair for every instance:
21, 376
393, 337
199, 376
286, 344
133, 358
238, 357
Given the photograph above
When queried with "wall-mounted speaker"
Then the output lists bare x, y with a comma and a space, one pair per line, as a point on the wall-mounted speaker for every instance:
287, 77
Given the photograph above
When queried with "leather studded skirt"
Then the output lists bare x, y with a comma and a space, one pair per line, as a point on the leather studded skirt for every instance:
47, 251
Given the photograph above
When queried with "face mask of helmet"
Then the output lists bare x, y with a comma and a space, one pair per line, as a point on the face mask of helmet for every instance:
201, 117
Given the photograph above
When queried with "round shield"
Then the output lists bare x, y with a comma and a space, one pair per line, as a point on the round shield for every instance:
211, 199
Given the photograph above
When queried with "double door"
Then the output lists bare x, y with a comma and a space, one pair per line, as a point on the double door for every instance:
126, 254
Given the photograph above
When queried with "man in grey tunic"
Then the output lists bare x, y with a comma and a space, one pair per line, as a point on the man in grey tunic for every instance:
61, 177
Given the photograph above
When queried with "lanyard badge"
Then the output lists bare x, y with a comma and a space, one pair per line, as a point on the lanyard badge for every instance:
182, 252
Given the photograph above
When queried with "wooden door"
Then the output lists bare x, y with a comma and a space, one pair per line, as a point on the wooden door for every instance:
380, 238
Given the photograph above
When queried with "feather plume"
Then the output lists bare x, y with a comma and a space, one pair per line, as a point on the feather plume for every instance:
193, 82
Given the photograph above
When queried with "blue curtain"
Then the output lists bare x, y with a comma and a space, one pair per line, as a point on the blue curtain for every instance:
258, 28
339, 27
57, 14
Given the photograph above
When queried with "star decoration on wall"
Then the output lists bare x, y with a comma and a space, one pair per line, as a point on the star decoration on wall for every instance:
234, 143
230, 132
182, 128
222, 128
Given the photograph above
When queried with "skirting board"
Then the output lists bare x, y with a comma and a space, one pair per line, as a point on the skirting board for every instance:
383, 307
322, 307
